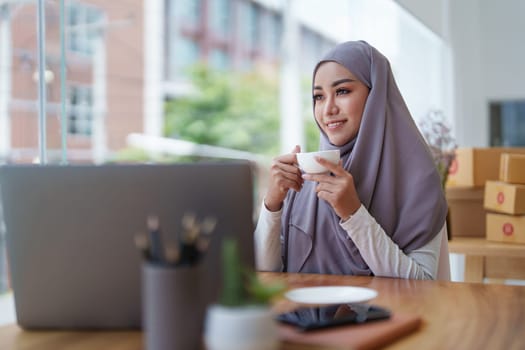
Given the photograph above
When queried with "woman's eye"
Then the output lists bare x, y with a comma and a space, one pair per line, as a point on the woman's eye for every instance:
342, 91
317, 97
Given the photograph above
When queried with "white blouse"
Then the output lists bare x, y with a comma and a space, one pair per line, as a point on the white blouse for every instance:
381, 254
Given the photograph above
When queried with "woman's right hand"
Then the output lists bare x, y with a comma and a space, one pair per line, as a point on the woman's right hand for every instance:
284, 175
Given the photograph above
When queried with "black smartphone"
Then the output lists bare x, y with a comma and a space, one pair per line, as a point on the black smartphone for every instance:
309, 318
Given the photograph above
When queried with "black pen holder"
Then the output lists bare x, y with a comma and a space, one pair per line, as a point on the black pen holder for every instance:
173, 308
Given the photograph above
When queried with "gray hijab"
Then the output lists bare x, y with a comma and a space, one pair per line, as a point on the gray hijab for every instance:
394, 174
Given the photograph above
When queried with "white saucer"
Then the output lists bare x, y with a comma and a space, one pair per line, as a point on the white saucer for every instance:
330, 295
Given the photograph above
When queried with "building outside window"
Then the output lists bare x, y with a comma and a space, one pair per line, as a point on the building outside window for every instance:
219, 17
80, 110
79, 18
312, 45
273, 34
190, 11
219, 59
186, 52
182, 30
254, 14
249, 32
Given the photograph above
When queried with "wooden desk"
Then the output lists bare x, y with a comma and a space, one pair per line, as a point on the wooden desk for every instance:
485, 259
456, 316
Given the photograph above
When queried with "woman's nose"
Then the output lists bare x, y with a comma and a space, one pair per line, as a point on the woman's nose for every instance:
331, 108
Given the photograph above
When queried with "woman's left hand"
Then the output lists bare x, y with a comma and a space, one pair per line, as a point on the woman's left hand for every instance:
337, 189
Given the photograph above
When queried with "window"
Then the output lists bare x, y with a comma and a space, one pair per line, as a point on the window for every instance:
190, 11
80, 111
249, 28
183, 53
276, 31
271, 35
254, 13
219, 59
81, 19
219, 12
185, 12
311, 48
507, 123
182, 48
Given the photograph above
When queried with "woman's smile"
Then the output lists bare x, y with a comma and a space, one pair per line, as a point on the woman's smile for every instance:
335, 125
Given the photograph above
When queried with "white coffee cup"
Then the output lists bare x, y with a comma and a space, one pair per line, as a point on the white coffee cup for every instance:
309, 164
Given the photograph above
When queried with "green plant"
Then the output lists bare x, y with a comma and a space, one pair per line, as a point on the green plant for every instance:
241, 286
237, 110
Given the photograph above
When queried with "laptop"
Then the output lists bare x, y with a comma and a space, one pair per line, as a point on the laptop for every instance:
70, 234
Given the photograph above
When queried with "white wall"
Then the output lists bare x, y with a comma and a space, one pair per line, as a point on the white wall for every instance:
416, 53
470, 114
488, 53
428, 12
503, 48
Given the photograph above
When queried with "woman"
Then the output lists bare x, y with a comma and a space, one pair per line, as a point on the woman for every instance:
382, 210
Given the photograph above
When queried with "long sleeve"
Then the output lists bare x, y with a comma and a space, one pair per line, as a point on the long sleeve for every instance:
381, 254
384, 257
268, 241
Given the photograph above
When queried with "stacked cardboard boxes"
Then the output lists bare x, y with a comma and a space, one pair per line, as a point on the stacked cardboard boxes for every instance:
472, 167
465, 187
506, 199
466, 216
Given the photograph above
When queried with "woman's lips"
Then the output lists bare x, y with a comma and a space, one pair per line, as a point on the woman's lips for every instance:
335, 124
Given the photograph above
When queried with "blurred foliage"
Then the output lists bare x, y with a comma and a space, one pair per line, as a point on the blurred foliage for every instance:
138, 155
312, 135
233, 110
310, 127
238, 110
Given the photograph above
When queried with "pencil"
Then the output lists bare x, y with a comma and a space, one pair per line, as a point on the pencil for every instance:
156, 249
141, 242
172, 255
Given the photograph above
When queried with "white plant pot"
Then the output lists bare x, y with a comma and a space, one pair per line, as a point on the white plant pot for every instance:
240, 328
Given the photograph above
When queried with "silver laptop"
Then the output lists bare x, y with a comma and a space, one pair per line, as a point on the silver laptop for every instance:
70, 233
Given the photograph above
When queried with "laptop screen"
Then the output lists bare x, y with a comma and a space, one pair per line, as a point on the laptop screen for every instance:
70, 233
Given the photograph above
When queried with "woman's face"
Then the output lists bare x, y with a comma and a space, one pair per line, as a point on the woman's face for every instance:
339, 101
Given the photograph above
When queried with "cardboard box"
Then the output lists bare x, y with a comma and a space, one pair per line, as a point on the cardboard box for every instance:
506, 228
512, 168
504, 197
474, 166
466, 215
